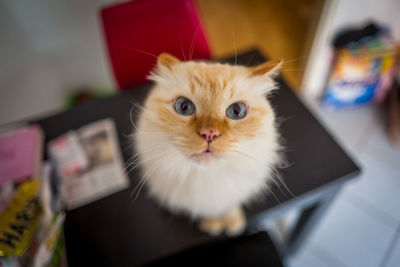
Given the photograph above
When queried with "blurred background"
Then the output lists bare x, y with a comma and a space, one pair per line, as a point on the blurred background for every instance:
49, 49
53, 53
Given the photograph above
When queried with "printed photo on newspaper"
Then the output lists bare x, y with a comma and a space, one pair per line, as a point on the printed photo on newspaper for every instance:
89, 163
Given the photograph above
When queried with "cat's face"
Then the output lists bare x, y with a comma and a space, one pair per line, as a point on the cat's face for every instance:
208, 110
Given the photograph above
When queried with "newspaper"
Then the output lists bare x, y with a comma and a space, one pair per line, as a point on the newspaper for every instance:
91, 166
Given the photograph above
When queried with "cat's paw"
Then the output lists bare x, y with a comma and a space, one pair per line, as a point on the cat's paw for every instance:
235, 225
212, 226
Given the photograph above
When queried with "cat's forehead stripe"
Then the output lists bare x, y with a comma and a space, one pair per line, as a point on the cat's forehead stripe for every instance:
214, 78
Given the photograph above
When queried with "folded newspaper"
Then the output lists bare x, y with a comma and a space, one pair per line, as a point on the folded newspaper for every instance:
89, 162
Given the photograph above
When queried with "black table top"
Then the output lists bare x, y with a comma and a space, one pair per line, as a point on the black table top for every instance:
116, 232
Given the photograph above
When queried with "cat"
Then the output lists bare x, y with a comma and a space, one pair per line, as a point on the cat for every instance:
206, 139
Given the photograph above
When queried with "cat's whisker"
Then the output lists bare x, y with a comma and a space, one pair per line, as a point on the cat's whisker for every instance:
131, 145
145, 176
135, 159
141, 107
153, 167
249, 60
234, 44
133, 124
192, 45
140, 189
273, 194
132, 168
277, 175
295, 59
140, 185
183, 52
281, 120
141, 180
138, 106
274, 171
142, 51
255, 69
132, 161
283, 70
283, 63
132, 158
147, 111
154, 147
154, 156
130, 117
138, 50
140, 162
285, 166
278, 185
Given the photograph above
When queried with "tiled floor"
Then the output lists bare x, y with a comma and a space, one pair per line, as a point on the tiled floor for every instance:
362, 227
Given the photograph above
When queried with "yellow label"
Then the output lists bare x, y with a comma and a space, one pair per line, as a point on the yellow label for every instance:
18, 222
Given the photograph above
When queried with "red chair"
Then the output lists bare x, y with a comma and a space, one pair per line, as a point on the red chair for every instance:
137, 32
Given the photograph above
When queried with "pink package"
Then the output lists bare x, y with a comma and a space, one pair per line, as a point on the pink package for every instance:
20, 154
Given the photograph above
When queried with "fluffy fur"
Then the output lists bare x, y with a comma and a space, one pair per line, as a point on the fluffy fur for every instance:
179, 175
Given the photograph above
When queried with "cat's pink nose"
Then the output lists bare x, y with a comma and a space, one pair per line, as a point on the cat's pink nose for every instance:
209, 135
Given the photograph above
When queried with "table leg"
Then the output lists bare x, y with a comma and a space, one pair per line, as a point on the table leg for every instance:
308, 221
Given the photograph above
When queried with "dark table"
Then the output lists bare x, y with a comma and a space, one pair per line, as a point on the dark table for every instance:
116, 232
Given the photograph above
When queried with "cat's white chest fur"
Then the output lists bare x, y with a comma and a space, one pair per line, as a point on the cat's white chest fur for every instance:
206, 190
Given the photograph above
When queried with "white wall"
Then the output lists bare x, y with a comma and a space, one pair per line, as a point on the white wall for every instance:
47, 48
338, 14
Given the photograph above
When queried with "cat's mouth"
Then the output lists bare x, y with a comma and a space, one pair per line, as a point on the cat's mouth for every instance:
205, 156
205, 152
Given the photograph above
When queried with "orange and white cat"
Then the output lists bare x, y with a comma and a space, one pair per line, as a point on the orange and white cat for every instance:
206, 139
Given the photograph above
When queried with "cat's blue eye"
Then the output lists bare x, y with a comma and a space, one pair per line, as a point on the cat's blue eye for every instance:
184, 106
236, 111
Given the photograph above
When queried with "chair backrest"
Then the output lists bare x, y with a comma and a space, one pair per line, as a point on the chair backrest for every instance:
137, 32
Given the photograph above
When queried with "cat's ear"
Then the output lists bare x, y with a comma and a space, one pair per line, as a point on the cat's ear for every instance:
163, 70
262, 76
269, 68
167, 60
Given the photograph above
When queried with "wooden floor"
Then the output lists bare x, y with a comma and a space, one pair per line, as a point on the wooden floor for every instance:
280, 29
